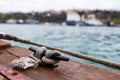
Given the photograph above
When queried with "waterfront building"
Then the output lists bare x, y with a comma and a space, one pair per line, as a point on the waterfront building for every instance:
73, 18
92, 20
20, 21
11, 21
31, 21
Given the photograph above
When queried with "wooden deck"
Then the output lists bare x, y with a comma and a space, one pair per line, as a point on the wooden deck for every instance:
71, 70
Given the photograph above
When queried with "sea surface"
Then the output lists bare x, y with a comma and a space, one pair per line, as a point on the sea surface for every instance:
101, 42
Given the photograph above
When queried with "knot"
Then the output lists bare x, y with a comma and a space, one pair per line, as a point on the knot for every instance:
32, 60
49, 57
40, 52
39, 57
53, 53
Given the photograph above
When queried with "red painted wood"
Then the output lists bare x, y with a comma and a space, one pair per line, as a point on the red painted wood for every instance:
71, 70
4, 44
12, 74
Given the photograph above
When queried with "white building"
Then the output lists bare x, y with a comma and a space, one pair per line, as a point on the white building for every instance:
72, 16
82, 17
31, 21
11, 21
20, 21
91, 19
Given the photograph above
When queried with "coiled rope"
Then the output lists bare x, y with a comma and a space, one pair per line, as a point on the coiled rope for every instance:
83, 56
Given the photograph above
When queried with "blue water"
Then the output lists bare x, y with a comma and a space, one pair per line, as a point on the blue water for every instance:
101, 42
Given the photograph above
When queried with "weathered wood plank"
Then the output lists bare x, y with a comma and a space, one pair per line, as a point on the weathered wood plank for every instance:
11, 74
5, 57
71, 70
4, 44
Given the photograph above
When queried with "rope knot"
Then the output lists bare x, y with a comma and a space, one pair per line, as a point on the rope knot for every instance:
39, 56
49, 57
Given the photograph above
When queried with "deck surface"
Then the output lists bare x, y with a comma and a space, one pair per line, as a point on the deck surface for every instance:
71, 70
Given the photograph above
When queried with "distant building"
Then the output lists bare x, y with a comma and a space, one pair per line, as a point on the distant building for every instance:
92, 20
20, 21
82, 17
72, 16
11, 21
109, 21
91, 16
31, 21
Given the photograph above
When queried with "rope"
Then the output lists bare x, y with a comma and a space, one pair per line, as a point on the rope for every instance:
25, 63
83, 56
39, 57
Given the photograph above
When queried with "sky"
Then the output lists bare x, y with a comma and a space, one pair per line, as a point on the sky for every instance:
45, 5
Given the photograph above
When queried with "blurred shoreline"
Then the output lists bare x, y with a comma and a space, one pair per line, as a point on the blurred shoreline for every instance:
58, 17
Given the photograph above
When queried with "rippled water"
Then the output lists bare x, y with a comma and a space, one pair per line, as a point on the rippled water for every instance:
101, 42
